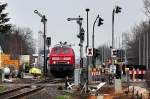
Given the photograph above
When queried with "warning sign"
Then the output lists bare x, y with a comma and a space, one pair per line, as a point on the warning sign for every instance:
89, 51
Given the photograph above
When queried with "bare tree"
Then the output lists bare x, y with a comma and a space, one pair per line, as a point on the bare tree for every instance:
147, 7
20, 42
136, 50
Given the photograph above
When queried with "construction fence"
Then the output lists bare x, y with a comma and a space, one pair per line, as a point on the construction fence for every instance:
104, 74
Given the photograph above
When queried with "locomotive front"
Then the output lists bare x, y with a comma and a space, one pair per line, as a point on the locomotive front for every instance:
62, 61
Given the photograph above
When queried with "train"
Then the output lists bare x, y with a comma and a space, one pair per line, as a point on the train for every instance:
62, 60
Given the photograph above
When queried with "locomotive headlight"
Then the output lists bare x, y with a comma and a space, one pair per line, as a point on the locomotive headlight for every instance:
67, 58
68, 62
55, 58
54, 62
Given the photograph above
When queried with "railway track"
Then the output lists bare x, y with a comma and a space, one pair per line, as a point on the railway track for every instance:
29, 89
51, 81
20, 92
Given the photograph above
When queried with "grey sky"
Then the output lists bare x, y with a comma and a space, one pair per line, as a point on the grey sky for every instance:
22, 14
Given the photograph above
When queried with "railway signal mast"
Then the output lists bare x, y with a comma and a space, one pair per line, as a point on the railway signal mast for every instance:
80, 36
43, 20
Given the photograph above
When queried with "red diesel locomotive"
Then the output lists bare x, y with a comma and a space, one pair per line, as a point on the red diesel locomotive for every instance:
62, 60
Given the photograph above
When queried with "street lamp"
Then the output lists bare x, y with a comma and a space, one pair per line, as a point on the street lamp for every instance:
87, 10
116, 10
43, 20
99, 23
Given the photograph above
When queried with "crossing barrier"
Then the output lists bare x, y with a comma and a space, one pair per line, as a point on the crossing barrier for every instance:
137, 71
137, 80
134, 75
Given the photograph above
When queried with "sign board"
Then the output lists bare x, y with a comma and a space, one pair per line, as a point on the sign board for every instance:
112, 69
89, 51
114, 52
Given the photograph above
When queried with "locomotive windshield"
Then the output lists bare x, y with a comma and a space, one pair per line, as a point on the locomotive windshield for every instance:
56, 51
61, 50
65, 51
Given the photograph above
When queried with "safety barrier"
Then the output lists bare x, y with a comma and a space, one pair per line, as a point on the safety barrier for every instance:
100, 74
137, 71
137, 80
96, 74
134, 75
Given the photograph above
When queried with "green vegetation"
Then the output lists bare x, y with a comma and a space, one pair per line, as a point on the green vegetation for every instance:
68, 94
2, 88
64, 97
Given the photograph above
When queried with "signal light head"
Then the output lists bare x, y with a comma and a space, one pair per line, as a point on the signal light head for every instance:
118, 9
100, 22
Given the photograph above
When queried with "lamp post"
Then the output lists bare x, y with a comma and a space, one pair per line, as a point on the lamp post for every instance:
116, 10
93, 36
43, 20
87, 80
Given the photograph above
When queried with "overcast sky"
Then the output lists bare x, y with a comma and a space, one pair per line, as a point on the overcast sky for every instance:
22, 14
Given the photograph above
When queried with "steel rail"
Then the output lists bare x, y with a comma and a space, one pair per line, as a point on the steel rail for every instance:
23, 94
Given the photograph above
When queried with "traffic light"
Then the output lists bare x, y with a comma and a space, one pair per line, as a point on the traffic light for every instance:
48, 41
96, 52
81, 62
118, 9
100, 22
118, 72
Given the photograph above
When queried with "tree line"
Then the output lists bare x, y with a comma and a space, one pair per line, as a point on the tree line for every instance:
14, 40
138, 41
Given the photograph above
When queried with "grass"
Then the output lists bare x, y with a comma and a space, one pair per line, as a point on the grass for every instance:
71, 95
64, 97
2, 88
